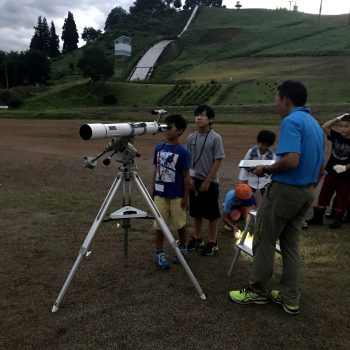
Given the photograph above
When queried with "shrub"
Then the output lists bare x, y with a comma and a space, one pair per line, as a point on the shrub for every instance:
109, 99
15, 102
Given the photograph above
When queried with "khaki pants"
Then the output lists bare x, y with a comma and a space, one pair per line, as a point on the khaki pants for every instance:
280, 216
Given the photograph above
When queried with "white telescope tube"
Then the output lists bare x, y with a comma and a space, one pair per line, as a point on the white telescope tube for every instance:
98, 130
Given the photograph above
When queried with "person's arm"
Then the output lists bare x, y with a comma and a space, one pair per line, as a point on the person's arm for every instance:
243, 176
226, 220
214, 169
187, 183
154, 181
155, 163
288, 161
328, 125
320, 174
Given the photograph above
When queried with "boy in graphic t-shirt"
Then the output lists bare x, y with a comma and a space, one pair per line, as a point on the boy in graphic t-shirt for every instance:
171, 186
337, 178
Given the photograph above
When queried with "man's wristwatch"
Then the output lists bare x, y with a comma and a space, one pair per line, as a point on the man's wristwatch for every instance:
266, 171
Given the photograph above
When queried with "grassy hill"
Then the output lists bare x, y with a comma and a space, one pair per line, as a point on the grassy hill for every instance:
226, 58
220, 34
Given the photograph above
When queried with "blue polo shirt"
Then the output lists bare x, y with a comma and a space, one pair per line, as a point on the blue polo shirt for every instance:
300, 133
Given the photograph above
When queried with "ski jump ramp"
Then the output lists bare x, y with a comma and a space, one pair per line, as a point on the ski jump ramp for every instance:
144, 67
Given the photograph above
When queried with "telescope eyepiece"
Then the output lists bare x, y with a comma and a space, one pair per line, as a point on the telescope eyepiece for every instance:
158, 111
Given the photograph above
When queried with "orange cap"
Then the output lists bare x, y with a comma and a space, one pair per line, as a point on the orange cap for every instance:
244, 191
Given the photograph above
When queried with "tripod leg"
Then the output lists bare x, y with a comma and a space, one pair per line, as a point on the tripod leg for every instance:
163, 226
126, 223
234, 260
237, 251
84, 248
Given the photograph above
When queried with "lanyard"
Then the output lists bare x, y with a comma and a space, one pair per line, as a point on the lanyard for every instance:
200, 154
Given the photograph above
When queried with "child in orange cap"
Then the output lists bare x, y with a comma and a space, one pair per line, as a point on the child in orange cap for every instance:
237, 204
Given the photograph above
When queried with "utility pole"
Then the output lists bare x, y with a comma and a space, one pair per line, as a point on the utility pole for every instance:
319, 16
290, 5
7, 78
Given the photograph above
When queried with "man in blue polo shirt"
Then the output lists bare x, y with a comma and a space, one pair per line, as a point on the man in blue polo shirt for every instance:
299, 166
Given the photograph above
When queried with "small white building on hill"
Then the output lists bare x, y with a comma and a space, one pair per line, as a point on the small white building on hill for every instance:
122, 47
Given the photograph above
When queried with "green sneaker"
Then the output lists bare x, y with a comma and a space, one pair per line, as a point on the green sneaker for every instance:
248, 296
290, 309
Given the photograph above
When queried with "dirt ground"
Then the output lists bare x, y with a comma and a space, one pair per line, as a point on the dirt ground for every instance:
48, 203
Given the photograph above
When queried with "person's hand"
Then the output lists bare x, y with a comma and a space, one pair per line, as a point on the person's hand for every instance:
339, 118
236, 232
192, 186
205, 186
184, 202
339, 168
258, 171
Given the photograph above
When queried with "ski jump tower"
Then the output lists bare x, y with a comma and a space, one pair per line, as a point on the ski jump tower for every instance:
144, 67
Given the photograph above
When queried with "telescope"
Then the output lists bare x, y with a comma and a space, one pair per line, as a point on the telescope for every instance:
123, 134
99, 130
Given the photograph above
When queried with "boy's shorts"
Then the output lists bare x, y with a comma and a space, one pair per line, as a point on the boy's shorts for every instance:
205, 204
238, 212
170, 208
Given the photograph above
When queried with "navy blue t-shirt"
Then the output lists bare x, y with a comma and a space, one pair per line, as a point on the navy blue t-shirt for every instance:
340, 155
170, 162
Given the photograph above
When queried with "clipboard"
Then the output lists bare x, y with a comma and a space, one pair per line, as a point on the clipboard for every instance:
246, 163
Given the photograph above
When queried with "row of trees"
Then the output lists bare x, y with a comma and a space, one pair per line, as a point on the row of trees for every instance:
33, 66
154, 7
18, 68
157, 6
47, 41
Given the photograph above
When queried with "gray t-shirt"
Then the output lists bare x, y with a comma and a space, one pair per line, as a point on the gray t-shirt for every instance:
204, 149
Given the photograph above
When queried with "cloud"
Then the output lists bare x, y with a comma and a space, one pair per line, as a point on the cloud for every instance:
18, 17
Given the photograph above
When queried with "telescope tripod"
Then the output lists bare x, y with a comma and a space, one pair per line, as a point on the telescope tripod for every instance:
124, 177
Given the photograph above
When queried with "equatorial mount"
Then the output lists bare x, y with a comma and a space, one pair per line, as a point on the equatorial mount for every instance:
121, 147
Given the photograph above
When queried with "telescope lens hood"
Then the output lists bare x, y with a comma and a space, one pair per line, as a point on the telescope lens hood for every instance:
85, 132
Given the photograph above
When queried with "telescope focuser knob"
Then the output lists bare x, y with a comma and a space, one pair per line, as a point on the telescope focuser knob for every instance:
90, 162
107, 161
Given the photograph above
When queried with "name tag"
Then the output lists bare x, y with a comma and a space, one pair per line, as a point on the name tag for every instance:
159, 187
192, 173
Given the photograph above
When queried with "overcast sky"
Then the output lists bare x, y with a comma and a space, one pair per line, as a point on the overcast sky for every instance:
17, 17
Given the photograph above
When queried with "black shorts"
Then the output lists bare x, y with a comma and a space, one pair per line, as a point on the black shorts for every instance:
205, 204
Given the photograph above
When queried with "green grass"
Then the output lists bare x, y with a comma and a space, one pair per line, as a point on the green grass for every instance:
80, 94
221, 34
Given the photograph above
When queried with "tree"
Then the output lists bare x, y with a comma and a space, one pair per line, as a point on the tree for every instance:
148, 6
40, 39
35, 66
70, 34
177, 4
54, 42
115, 16
95, 65
190, 4
90, 34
